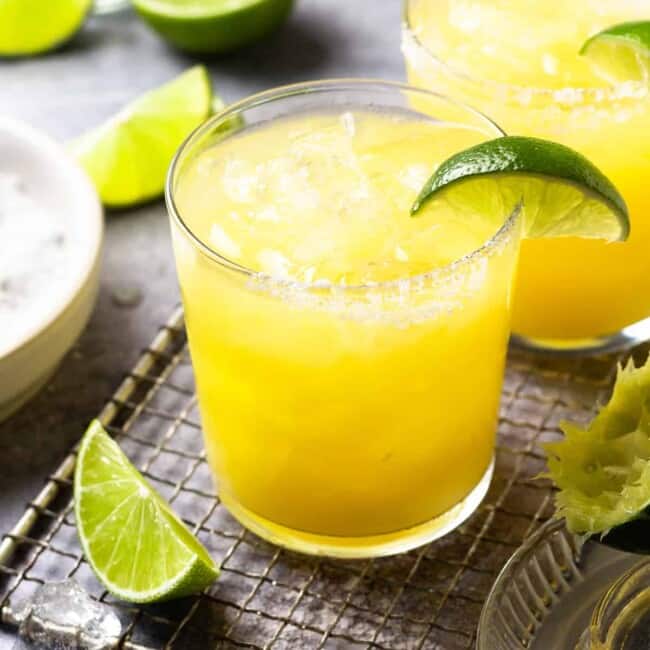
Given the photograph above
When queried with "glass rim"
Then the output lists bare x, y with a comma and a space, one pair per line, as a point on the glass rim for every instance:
625, 90
323, 86
617, 590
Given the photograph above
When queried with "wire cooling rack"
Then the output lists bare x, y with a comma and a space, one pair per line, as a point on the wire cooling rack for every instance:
266, 597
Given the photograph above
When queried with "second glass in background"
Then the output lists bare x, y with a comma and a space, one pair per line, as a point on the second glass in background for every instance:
571, 294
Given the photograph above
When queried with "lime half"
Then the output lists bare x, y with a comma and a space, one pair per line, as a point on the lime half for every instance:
128, 156
33, 26
213, 26
136, 545
603, 471
621, 53
562, 193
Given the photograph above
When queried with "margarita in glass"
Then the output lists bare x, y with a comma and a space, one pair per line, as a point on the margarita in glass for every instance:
348, 357
520, 62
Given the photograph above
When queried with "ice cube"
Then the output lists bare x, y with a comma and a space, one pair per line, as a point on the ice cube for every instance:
274, 263
550, 64
223, 243
415, 176
347, 119
63, 616
240, 181
269, 213
401, 255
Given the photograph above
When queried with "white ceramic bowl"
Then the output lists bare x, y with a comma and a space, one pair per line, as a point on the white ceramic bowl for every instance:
54, 181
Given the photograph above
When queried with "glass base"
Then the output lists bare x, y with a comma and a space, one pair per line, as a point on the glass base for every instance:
362, 547
545, 595
627, 338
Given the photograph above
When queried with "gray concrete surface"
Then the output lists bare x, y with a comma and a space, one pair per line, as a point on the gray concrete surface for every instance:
111, 61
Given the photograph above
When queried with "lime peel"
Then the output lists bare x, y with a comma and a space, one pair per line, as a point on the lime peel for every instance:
213, 26
29, 27
137, 547
603, 471
563, 193
128, 156
620, 53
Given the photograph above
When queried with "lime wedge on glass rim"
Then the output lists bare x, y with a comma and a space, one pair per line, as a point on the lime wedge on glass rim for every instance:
32, 26
603, 470
128, 156
213, 26
139, 550
621, 53
562, 193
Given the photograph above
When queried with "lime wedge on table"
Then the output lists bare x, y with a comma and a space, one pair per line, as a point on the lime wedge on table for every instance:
33, 26
621, 53
562, 193
603, 470
128, 156
213, 25
137, 547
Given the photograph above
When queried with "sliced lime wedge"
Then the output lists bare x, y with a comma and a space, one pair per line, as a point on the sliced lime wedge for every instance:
213, 26
621, 53
33, 26
603, 471
137, 547
128, 156
563, 194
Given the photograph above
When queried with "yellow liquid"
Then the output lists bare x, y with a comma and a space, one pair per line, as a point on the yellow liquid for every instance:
336, 419
568, 288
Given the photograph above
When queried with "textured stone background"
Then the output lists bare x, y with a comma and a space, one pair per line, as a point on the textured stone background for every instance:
110, 62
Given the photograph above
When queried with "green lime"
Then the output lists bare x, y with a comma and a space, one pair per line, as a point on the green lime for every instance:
128, 156
137, 547
621, 53
213, 26
33, 26
562, 193
603, 470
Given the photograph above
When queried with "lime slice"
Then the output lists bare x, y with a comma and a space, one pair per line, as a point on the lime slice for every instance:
213, 26
33, 26
563, 194
621, 53
137, 547
603, 471
128, 156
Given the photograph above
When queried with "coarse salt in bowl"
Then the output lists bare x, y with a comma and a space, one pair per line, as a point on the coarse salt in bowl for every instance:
51, 232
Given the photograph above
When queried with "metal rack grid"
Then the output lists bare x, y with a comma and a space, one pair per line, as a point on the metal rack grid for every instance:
266, 597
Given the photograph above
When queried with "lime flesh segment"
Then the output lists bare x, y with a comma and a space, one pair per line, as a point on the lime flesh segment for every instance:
137, 547
563, 194
33, 26
621, 53
213, 26
603, 471
128, 156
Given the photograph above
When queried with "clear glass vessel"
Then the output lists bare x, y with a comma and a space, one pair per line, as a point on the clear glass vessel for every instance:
519, 63
621, 620
346, 417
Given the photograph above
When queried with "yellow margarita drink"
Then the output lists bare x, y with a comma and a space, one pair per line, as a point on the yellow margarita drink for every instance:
348, 357
520, 62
